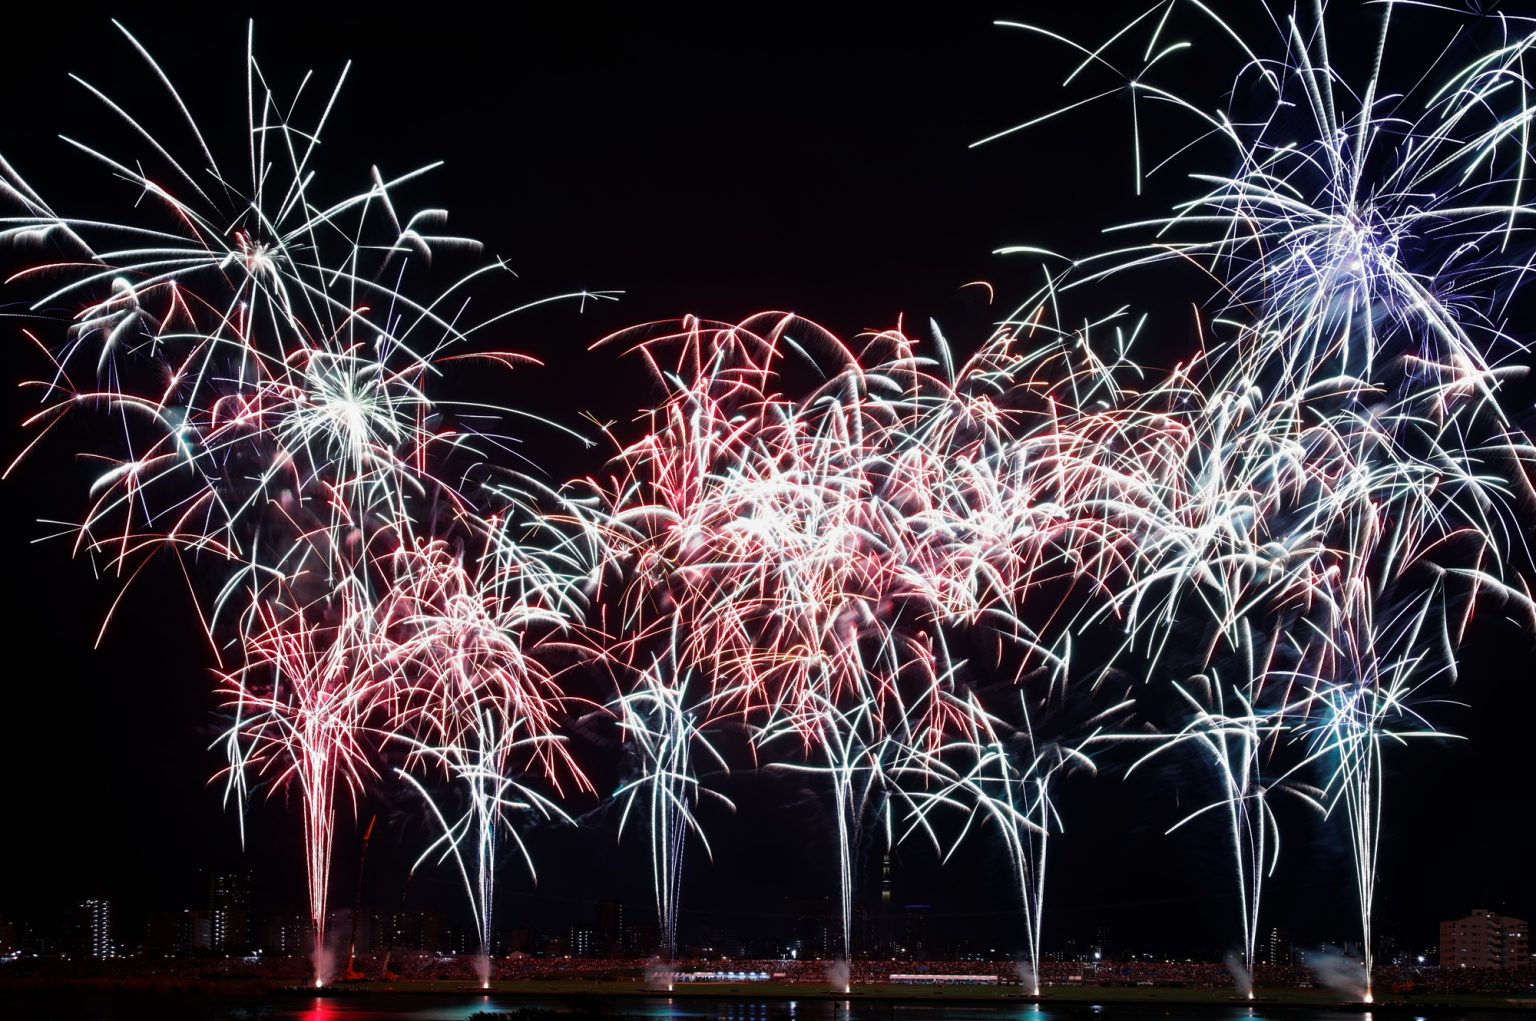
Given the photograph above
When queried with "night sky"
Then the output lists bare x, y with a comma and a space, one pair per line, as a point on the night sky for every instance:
710, 165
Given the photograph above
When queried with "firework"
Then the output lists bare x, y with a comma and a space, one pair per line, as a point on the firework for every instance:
667, 734
298, 712
927, 581
472, 691
1337, 463
272, 376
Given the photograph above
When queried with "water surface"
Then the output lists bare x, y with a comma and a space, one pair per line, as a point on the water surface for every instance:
417, 1007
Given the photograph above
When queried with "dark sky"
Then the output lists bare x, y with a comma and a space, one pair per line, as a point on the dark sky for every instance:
717, 165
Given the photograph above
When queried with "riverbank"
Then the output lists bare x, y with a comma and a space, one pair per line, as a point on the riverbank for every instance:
615, 992
907, 993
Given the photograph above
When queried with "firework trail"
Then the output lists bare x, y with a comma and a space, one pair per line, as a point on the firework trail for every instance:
803, 554
755, 563
820, 547
298, 712
809, 556
272, 378
1237, 744
474, 691
270, 370
667, 735
856, 763
1340, 458
1000, 774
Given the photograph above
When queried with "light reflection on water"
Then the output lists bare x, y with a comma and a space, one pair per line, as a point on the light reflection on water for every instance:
463, 1008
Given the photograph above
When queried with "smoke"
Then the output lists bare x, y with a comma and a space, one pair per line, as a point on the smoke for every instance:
1240, 975
838, 975
1027, 978
324, 960
658, 976
483, 970
1342, 974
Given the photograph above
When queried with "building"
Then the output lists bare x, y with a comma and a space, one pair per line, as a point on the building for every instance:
582, 942
1485, 940
1278, 952
229, 903
818, 929
516, 940
176, 933
884, 929
613, 931
94, 929
288, 935
916, 938
42, 939
409, 930
355, 927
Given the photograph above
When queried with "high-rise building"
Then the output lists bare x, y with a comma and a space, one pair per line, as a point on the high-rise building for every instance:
582, 941
818, 928
1485, 940
410, 930
229, 905
613, 935
917, 942
1277, 951
174, 933
354, 927
882, 935
94, 928
289, 935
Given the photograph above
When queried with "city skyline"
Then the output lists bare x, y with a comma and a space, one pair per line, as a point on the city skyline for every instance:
615, 930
